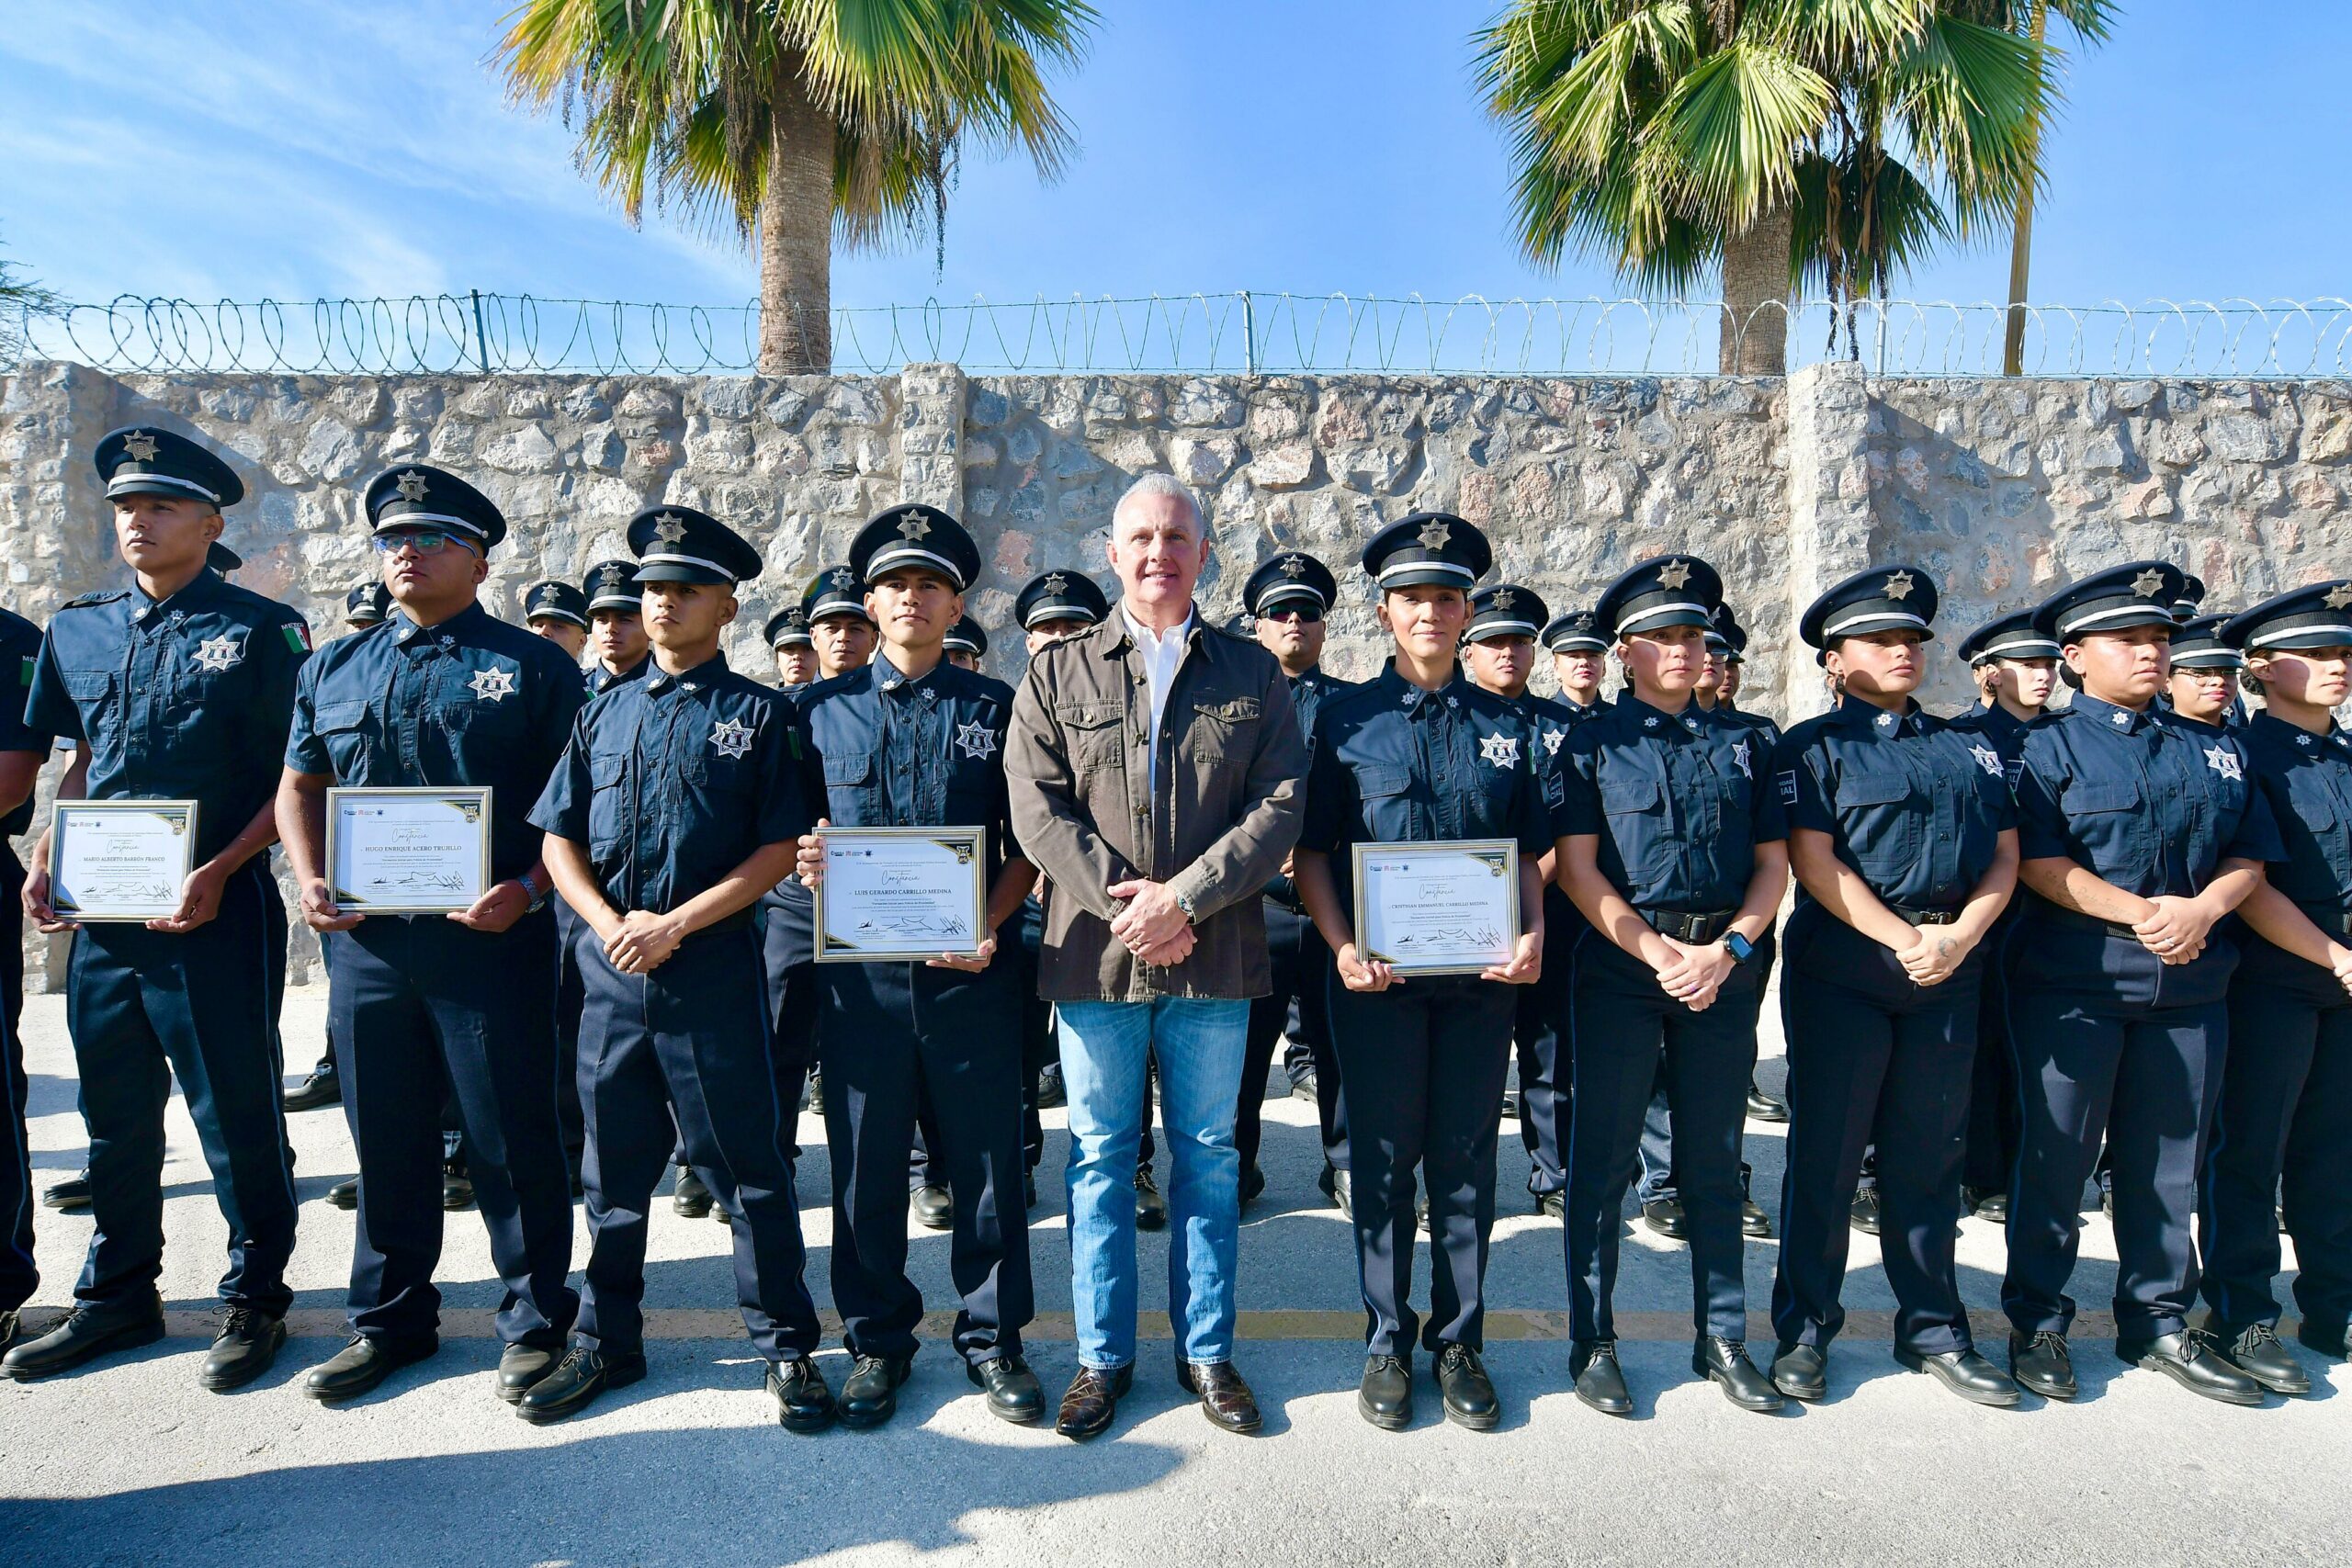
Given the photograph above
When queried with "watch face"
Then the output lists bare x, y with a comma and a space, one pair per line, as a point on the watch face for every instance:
1739, 946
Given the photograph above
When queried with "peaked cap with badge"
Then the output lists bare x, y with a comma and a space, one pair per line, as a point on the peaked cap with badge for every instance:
1665, 591
2197, 645
835, 591
417, 496
553, 601
2318, 614
612, 585
1428, 550
967, 635
1574, 631
367, 605
788, 627
1060, 595
2191, 600
915, 536
681, 543
1883, 599
143, 461
2007, 637
2137, 594
1504, 609
1294, 576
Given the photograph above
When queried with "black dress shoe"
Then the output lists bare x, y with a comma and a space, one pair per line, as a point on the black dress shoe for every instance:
1151, 1209
1051, 1091
1966, 1373
88, 1332
803, 1402
321, 1089
1091, 1401
1753, 1221
934, 1207
1385, 1398
1510, 1105
1467, 1391
1724, 1363
2191, 1359
1421, 1211
1225, 1398
521, 1369
1863, 1213
1253, 1183
1339, 1187
1304, 1086
248, 1342
2256, 1351
359, 1366
457, 1188
1802, 1371
870, 1393
576, 1382
1013, 1391
1600, 1382
1552, 1205
1763, 1107
70, 1196
1664, 1216
816, 1094
691, 1195
1989, 1205
2327, 1339
2043, 1364
345, 1195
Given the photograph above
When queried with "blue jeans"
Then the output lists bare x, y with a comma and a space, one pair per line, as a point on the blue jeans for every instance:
1199, 1045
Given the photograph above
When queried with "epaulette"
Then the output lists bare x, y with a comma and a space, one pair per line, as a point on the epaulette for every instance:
86, 599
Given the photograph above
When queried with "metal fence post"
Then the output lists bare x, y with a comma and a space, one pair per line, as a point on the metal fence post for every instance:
1248, 334
481, 338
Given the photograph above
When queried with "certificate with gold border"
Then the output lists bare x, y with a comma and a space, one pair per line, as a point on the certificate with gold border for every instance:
1438, 908
901, 894
408, 852
119, 860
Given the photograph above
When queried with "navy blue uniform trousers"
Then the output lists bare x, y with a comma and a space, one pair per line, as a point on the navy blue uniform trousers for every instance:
2109, 1055
2286, 1110
426, 1013
1299, 1002
1992, 1142
691, 1035
18, 1277
571, 996
1425, 1063
1624, 1027
1544, 1033
1873, 1058
144, 1007
895, 1039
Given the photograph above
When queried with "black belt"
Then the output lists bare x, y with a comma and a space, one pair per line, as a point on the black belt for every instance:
2064, 916
1697, 930
1927, 916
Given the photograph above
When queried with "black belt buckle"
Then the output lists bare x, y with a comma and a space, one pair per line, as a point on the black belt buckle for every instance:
1929, 917
1692, 930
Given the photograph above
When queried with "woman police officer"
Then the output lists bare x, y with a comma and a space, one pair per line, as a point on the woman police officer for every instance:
1903, 836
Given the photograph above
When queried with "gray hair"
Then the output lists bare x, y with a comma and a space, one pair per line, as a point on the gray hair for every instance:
1168, 485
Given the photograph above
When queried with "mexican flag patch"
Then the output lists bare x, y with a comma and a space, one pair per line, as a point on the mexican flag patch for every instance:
25, 673
298, 636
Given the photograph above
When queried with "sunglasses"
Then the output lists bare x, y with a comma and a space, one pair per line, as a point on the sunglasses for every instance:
423, 541
1310, 613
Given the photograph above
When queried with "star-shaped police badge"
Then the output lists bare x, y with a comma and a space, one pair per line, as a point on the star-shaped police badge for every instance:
669, 530
1552, 738
1503, 597
219, 653
1434, 534
2149, 583
1294, 566
1739, 756
411, 484
914, 525
1987, 759
140, 445
614, 576
1673, 574
1501, 750
1055, 583
732, 738
2339, 596
2224, 762
976, 740
492, 685
1899, 584
843, 580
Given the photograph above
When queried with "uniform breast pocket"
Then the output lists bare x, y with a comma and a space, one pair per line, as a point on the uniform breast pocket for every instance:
2104, 815
1386, 791
1632, 815
853, 798
1095, 733
345, 730
97, 698
607, 805
1880, 817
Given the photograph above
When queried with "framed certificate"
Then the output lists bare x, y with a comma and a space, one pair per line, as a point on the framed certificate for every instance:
1443, 909
119, 860
408, 852
901, 894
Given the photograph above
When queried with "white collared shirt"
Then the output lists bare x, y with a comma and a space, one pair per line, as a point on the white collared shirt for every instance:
1163, 654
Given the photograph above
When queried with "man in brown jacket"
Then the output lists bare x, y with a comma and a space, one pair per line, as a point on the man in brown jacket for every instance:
1155, 766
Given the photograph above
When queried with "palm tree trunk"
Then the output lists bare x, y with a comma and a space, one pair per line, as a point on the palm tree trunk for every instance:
1755, 337
797, 237
2021, 240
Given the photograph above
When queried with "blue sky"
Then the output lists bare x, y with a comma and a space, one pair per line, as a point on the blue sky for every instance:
302, 148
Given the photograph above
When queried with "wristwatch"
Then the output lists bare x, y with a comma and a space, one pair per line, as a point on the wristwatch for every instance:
1192, 915
538, 895
1738, 946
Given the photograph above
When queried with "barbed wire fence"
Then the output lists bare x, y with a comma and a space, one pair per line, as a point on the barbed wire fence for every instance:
1239, 332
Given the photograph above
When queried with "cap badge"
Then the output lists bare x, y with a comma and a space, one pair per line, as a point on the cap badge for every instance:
2149, 583
140, 445
614, 576
2339, 596
1434, 534
1674, 574
1899, 585
669, 530
914, 525
1293, 566
1056, 583
1503, 597
411, 485
841, 579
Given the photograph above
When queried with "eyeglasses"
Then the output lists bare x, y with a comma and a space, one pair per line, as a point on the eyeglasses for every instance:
423, 541
1309, 614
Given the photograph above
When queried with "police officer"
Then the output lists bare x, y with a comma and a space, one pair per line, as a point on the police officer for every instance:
843, 633
425, 1007
2202, 688
558, 612
967, 644
2137, 837
178, 687
1579, 656
795, 654
1498, 650
1904, 839
2015, 668
616, 645
911, 740
1288, 596
1420, 754
1676, 853
677, 803
22, 752
2286, 1106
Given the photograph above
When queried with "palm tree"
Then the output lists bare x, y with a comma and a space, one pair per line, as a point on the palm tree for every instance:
1781, 141
793, 122
2089, 19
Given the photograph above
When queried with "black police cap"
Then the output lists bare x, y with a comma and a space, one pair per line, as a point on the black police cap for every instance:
1665, 591
1505, 609
1574, 631
913, 534
788, 627
1060, 596
2192, 597
682, 544
2197, 645
835, 592
141, 460
2318, 614
1899, 598
612, 585
417, 496
554, 601
220, 557
2007, 637
1428, 550
366, 604
967, 635
2137, 594
1293, 577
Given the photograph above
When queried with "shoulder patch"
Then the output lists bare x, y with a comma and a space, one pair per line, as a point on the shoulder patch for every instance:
1789, 787
25, 669
298, 636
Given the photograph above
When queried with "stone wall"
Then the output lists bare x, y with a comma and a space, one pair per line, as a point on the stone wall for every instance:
2001, 489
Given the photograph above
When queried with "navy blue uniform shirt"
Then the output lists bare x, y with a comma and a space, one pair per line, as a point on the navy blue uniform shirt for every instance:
470, 701
185, 699
19, 653
1679, 802
2306, 780
599, 680
1915, 805
2138, 800
2002, 731
673, 780
1396, 765
1308, 692
891, 752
